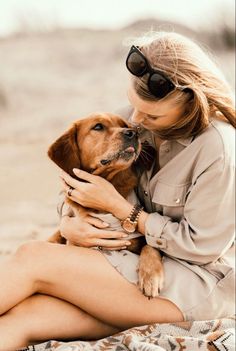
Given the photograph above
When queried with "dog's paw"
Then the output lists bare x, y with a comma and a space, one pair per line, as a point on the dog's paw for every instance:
151, 281
151, 273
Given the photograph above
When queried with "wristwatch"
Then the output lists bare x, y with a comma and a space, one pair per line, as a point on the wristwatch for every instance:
130, 223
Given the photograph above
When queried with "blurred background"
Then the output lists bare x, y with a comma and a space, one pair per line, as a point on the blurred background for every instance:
63, 59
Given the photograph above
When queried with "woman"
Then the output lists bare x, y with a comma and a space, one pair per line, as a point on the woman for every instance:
185, 110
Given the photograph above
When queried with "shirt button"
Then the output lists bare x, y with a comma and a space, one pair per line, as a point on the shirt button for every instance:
177, 201
159, 242
167, 150
145, 193
162, 243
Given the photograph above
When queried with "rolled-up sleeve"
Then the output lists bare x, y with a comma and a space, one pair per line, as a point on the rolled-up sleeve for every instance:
206, 230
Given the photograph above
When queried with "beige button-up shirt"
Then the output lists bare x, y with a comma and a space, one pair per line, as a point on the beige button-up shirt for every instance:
191, 198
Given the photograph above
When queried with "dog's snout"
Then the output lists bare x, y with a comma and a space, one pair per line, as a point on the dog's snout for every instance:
130, 134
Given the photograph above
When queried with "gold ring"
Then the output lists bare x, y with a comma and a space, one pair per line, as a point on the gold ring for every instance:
69, 191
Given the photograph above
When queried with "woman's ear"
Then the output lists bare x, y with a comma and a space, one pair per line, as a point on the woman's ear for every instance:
65, 151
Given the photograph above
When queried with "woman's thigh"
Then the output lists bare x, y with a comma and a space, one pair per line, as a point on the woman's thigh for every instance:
86, 279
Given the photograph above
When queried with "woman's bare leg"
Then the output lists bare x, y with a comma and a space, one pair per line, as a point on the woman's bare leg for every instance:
42, 317
16, 280
86, 279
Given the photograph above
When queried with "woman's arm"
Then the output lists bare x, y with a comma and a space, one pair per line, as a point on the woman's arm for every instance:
206, 230
99, 194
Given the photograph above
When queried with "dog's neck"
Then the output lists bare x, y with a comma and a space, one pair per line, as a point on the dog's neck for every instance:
119, 179
121, 184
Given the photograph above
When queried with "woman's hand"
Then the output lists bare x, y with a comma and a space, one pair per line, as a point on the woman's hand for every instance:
87, 232
96, 193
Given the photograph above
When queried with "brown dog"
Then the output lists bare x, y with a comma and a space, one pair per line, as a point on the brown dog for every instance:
105, 145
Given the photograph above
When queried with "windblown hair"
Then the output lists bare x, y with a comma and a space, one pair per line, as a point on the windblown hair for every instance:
207, 94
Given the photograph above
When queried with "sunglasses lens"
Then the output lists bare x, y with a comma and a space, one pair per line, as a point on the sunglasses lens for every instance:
159, 86
136, 64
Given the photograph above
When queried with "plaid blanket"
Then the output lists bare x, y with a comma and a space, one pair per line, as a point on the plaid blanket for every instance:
212, 335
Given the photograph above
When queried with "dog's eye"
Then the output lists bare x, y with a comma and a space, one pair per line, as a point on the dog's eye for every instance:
98, 126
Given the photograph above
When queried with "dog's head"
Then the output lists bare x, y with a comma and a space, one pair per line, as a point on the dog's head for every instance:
97, 144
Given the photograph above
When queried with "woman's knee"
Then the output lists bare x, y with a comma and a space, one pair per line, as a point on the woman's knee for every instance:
30, 251
34, 259
43, 260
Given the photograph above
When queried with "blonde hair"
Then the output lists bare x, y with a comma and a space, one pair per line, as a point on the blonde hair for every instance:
186, 64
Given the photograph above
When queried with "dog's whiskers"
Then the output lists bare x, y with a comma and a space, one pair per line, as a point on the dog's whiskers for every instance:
116, 156
147, 155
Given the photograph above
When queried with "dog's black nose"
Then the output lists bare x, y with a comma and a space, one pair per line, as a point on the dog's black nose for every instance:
130, 134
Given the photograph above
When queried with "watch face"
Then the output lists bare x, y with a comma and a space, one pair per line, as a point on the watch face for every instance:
128, 226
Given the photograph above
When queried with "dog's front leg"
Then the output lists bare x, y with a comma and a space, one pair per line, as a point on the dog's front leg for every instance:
57, 238
151, 273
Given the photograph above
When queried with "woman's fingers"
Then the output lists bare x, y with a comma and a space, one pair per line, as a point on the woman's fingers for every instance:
111, 234
96, 193
107, 243
91, 178
96, 222
75, 183
85, 234
73, 195
115, 248
65, 186
69, 180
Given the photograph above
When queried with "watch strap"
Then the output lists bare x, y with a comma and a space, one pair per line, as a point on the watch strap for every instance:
135, 213
130, 223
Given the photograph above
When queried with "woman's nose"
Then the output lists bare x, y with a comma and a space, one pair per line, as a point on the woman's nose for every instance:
137, 117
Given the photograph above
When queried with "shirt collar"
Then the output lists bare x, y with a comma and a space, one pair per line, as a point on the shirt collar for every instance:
185, 141
148, 136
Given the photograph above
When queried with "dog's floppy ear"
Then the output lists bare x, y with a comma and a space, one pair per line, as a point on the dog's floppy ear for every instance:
65, 151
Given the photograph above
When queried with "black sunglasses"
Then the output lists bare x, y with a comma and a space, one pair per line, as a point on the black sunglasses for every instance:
158, 84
